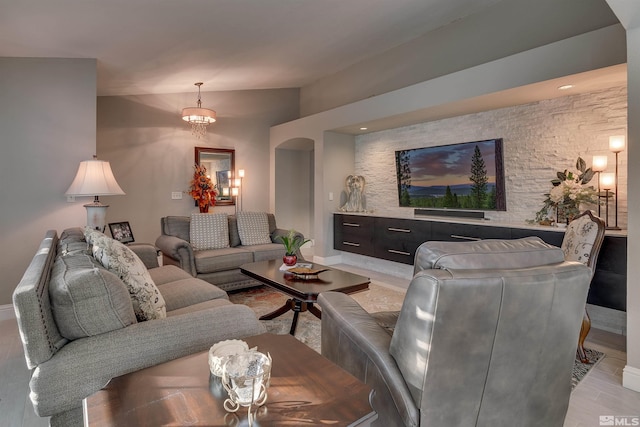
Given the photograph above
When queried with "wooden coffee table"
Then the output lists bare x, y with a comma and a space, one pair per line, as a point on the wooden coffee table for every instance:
303, 292
306, 389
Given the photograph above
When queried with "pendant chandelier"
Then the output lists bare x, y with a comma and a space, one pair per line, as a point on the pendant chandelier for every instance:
198, 117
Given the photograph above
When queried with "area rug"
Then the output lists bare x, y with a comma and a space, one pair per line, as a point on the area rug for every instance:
264, 300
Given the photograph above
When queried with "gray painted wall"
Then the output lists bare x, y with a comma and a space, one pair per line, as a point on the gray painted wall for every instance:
152, 150
294, 190
48, 126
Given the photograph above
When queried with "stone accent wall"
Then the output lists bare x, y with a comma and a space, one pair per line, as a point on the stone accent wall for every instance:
540, 139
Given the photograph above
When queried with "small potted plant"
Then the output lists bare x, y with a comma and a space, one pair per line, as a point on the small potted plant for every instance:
292, 243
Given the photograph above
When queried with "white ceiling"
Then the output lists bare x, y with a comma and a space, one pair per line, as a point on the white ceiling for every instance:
165, 46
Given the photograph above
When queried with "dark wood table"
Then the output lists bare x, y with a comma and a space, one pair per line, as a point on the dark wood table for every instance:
306, 389
303, 292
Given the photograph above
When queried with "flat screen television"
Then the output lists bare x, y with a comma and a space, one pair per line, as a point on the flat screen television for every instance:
466, 176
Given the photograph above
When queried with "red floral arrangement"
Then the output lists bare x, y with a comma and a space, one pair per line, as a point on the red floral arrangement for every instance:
202, 189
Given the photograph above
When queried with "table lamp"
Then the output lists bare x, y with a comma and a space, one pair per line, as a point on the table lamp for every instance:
95, 178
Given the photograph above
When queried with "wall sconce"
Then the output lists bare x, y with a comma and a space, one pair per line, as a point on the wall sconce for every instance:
616, 145
607, 182
599, 165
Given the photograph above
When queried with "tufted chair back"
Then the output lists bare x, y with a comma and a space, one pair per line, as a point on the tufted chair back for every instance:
582, 242
583, 239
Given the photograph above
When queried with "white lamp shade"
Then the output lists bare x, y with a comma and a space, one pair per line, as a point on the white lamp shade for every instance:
94, 178
241, 173
599, 163
616, 143
607, 180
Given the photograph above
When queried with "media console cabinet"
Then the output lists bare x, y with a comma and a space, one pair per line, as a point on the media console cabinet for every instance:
396, 239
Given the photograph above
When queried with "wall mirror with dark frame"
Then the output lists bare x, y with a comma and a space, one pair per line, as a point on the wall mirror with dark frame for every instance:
220, 164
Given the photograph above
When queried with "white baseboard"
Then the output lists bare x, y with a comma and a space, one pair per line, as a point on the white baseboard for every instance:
6, 312
631, 378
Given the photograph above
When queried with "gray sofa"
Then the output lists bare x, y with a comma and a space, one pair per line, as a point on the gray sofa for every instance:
486, 337
220, 267
79, 329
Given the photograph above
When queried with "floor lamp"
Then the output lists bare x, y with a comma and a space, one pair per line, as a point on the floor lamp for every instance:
616, 145
599, 165
607, 182
241, 176
234, 193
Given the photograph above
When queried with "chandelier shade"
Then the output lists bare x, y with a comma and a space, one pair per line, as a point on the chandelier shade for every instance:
198, 117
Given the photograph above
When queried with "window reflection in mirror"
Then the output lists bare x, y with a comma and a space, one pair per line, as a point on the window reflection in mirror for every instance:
220, 164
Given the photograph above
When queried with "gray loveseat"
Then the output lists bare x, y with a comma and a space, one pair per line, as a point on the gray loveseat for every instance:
79, 329
220, 267
486, 337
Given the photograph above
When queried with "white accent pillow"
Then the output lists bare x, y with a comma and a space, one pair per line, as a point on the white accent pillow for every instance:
253, 228
209, 231
147, 300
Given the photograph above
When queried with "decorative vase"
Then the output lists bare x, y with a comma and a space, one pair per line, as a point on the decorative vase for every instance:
204, 209
290, 260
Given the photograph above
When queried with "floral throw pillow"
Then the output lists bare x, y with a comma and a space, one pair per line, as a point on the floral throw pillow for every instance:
253, 228
91, 234
579, 240
148, 303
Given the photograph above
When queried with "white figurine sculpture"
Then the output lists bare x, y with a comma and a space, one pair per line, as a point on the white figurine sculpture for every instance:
355, 194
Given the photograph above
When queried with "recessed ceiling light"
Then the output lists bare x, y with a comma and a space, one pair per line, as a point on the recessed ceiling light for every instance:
565, 87
363, 128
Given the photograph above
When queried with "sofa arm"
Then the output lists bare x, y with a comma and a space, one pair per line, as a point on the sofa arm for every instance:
84, 366
179, 251
353, 339
147, 253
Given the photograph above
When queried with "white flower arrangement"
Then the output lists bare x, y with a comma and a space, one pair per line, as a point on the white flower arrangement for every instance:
568, 192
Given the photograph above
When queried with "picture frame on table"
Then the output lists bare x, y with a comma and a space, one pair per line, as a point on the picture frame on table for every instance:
121, 231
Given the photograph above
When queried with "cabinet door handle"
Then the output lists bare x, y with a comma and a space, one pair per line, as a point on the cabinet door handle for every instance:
351, 244
350, 224
455, 236
393, 251
399, 230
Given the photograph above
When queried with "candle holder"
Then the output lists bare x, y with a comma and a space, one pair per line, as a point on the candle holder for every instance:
245, 377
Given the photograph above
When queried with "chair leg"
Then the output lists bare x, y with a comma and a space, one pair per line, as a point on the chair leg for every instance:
584, 331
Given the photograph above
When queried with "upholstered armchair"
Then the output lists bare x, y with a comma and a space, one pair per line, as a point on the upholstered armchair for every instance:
486, 337
582, 242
